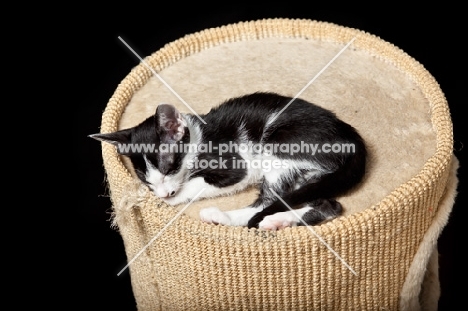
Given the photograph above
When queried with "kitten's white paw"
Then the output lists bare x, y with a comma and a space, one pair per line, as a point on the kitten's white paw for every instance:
213, 215
277, 221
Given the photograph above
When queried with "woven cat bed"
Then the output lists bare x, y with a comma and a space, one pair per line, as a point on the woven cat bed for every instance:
386, 238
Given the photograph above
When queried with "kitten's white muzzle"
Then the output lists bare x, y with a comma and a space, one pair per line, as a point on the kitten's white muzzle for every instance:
163, 186
163, 192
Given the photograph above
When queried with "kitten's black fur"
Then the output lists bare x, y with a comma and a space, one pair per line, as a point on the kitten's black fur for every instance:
312, 180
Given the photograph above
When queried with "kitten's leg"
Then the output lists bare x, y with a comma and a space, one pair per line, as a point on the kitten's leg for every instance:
322, 210
283, 220
238, 217
311, 214
273, 185
266, 196
241, 217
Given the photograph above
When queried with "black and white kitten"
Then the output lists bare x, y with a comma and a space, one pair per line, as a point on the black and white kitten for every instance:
302, 158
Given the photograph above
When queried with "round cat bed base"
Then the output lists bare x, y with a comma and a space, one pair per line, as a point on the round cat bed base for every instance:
373, 257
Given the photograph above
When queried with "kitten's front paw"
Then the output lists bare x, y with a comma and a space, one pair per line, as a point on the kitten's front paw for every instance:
213, 215
277, 221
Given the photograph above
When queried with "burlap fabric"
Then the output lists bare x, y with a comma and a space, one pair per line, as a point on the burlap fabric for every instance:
388, 243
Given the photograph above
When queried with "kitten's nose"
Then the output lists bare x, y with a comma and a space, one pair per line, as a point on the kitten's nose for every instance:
163, 193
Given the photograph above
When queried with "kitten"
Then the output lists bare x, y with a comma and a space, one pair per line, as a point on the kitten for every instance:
301, 158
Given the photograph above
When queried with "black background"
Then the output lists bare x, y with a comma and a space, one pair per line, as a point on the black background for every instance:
98, 61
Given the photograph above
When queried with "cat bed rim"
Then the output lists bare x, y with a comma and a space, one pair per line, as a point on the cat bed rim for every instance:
434, 169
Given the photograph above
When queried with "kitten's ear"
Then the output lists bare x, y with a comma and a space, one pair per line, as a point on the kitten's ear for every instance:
171, 123
115, 138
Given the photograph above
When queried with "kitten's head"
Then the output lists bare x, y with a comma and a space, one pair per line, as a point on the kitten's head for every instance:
151, 147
